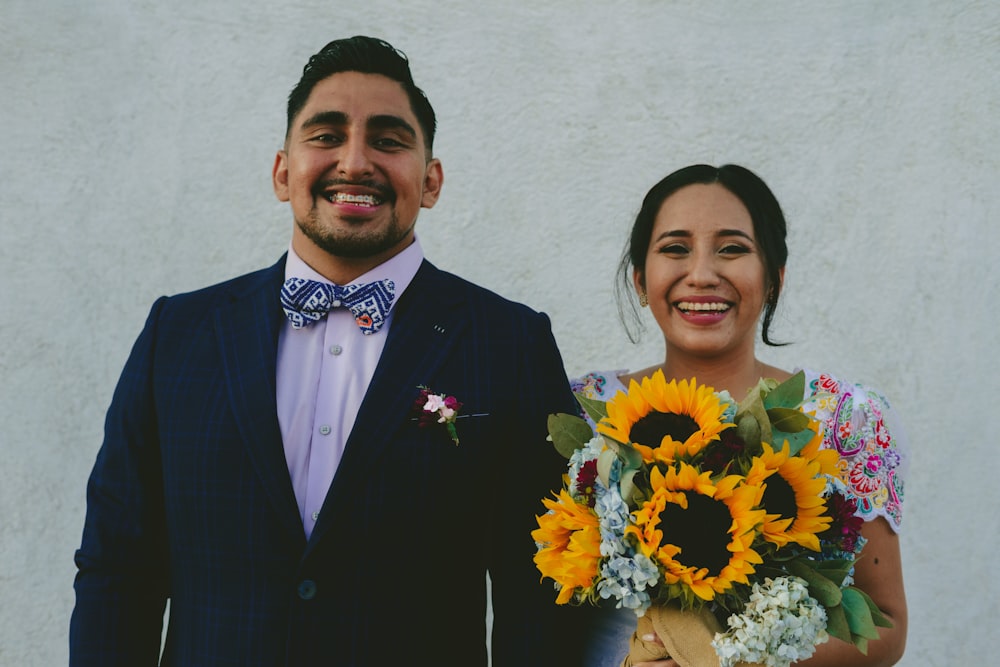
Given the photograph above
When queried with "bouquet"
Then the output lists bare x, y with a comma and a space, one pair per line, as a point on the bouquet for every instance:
690, 502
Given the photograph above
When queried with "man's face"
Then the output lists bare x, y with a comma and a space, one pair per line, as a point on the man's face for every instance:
356, 173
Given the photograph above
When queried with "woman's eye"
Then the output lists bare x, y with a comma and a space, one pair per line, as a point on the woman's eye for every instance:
674, 249
734, 249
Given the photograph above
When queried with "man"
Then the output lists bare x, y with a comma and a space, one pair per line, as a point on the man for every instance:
282, 476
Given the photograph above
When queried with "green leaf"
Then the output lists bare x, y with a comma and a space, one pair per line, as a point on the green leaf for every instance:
835, 570
826, 592
788, 394
757, 411
630, 456
630, 492
878, 618
836, 624
859, 616
796, 441
605, 460
749, 431
568, 433
788, 420
595, 409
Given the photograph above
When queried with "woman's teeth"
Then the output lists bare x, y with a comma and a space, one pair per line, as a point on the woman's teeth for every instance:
712, 306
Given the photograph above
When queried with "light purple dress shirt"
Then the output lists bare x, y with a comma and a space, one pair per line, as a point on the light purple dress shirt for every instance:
323, 372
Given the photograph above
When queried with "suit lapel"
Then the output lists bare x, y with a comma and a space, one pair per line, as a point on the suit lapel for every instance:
427, 323
248, 326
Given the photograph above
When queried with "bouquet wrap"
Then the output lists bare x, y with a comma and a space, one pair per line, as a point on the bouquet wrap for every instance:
686, 636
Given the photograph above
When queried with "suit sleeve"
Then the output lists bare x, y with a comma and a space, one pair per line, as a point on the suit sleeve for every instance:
121, 583
528, 627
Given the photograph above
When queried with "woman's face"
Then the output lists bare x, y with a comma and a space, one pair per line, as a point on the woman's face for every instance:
704, 275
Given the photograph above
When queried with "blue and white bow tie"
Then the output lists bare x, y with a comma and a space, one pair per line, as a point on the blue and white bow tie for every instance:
307, 301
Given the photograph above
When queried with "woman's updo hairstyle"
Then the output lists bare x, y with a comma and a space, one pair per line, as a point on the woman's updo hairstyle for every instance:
769, 228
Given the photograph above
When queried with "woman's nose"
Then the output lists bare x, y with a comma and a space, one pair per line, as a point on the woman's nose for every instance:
703, 269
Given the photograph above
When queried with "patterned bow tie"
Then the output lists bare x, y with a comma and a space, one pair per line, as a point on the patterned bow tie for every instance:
308, 301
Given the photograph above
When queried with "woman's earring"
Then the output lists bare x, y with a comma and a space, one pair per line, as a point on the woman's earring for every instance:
643, 300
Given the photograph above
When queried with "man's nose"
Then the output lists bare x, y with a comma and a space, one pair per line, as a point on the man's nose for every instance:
354, 160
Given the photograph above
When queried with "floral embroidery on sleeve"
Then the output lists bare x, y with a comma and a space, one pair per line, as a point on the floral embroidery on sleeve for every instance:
599, 385
854, 423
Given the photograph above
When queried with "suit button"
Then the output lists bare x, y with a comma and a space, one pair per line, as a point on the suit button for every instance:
307, 589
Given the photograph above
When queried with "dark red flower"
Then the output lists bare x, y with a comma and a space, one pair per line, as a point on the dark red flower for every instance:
721, 452
846, 526
586, 481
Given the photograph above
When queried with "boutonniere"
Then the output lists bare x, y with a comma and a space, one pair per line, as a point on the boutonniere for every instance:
434, 408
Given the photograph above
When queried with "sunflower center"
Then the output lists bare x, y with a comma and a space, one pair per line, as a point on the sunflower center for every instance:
701, 531
651, 429
779, 497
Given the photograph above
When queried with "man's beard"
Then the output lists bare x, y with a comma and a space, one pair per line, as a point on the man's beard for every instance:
350, 244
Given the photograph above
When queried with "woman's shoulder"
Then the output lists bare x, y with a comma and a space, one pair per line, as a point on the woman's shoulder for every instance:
860, 424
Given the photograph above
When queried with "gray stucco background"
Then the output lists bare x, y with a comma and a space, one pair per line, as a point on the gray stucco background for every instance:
138, 139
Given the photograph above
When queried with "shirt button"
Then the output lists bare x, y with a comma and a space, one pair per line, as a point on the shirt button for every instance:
336, 349
324, 430
336, 303
315, 515
307, 589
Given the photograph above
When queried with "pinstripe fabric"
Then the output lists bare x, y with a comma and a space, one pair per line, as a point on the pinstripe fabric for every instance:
190, 496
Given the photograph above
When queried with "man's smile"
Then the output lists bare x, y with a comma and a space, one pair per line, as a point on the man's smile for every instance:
355, 199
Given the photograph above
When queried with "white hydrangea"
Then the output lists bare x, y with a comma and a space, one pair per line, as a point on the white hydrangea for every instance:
780, 624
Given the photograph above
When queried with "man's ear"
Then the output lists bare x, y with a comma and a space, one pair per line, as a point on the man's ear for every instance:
433, 180
279, 176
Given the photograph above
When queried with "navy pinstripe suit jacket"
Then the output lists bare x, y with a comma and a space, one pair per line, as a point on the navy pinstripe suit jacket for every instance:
190, 498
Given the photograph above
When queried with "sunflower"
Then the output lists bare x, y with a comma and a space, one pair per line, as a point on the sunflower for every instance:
793, 492
662, 420
700, 532
569, 539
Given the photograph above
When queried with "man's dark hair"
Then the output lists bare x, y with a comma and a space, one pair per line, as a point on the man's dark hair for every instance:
367, 55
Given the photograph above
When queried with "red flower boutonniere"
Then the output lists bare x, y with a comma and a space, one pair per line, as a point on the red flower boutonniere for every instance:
434, 408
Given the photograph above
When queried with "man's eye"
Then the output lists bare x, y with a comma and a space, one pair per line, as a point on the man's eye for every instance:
387, 142
326, 139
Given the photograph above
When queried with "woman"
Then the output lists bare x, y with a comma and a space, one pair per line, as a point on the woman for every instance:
707, 257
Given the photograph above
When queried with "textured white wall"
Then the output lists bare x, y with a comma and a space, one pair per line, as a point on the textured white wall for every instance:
137, 142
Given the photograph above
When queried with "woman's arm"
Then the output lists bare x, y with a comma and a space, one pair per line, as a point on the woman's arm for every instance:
879, 573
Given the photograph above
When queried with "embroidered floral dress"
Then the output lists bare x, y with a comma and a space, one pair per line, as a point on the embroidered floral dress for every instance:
857, 422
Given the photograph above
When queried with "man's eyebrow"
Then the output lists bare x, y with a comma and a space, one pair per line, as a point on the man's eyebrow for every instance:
391, 122
333, 118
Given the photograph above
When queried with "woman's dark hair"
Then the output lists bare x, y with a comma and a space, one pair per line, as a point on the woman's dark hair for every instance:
769, 228
367, 55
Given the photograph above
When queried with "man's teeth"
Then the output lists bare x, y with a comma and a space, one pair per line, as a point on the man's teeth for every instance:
716, 306
346, 198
